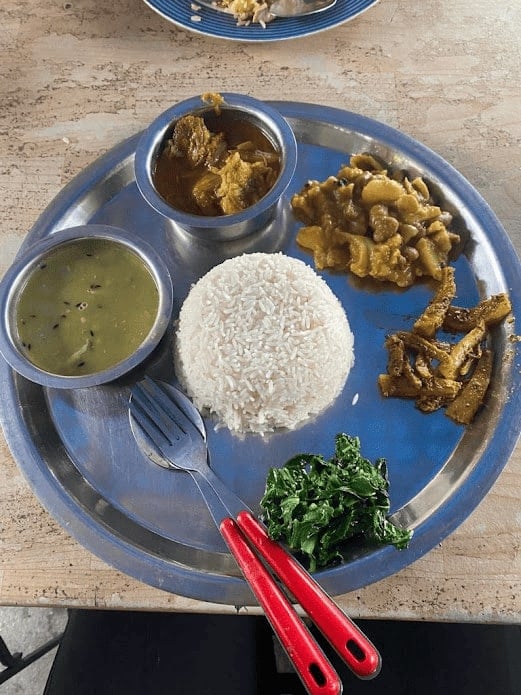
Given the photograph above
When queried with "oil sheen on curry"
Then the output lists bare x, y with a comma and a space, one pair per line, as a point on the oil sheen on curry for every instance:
86, 307
215, 165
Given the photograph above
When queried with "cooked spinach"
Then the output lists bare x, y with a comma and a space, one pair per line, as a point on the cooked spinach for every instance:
315, 505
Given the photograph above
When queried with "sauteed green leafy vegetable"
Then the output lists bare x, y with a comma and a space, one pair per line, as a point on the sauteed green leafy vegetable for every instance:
315, 505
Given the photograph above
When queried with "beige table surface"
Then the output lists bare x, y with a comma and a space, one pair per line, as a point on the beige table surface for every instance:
77, 77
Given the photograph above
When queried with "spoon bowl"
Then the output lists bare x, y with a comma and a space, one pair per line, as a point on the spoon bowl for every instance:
299, 8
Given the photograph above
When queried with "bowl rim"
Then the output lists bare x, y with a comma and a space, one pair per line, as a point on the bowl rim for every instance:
24, 264
154, 135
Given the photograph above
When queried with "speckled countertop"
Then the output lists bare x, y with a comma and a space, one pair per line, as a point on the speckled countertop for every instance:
77, 77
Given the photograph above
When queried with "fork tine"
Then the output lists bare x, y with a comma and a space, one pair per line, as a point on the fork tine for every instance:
168, 406
148, 425
162, 421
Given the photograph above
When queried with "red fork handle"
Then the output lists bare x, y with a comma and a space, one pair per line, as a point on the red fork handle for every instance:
312, 665
349, 641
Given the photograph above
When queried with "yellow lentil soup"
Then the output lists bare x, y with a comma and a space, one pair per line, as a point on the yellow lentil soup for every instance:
85, 307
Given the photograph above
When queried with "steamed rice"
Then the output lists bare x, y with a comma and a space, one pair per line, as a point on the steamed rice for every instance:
262, 343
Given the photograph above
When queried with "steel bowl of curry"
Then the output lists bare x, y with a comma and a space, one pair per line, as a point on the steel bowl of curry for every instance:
217, 166
83, 306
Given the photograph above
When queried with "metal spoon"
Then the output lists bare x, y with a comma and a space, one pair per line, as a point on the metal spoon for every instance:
281, 8
299, 8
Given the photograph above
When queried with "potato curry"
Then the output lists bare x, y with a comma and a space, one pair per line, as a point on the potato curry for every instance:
372, 224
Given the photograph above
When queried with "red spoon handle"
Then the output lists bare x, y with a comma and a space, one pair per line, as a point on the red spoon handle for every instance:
349, 641
312, 665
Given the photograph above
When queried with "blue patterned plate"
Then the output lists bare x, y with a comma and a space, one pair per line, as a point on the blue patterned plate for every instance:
215, 23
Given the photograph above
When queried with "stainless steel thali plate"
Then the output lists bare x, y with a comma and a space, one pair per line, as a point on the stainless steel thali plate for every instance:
77, 451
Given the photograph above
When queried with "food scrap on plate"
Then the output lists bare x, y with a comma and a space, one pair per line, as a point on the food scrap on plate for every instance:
246, 12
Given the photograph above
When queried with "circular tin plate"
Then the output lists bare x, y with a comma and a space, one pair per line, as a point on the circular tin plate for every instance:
77, 451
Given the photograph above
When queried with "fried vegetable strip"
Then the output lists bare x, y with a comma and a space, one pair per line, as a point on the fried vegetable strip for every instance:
405, 388
432, 318
396, 360
491, 311
428, 348
461, 352
463, 408
438, 374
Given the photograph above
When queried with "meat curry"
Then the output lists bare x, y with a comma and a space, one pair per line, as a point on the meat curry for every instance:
216, 164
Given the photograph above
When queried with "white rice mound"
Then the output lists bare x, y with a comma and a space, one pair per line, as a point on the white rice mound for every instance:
263, 343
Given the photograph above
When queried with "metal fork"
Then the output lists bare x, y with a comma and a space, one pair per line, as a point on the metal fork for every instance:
157, 409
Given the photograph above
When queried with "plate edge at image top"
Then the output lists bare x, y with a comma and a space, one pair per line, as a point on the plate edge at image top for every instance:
222, 25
